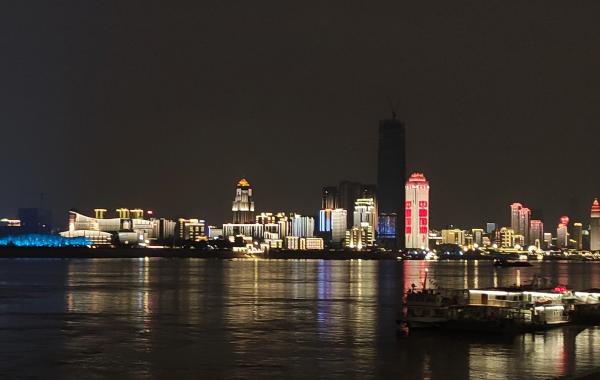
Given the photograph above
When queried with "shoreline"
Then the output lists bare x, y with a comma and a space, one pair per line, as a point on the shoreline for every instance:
136, 253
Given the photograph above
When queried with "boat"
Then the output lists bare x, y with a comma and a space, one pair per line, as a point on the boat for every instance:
502, 263
494, 310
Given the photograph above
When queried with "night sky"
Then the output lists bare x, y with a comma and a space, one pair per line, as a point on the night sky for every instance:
138, 104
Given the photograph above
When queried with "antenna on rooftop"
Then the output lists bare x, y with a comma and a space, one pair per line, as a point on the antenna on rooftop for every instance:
392, 106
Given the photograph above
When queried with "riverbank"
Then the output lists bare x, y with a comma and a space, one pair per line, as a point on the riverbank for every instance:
83, 252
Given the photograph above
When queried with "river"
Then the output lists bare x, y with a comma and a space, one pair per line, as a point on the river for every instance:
211, 318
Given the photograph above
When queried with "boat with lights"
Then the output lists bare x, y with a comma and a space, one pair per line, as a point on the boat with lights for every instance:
494, 310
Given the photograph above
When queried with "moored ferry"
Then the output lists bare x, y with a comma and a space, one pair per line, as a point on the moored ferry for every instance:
496, 310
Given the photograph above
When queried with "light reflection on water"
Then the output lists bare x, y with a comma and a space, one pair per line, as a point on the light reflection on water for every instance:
186, 318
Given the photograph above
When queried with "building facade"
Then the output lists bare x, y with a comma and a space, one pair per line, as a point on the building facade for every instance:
391, 172
243, 203
595, 226
416, 211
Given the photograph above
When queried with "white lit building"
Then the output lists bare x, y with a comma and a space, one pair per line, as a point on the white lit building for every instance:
360, 238
453, 236
243, 204
536, 232
365, 211
416, 211
303, 226
339, 222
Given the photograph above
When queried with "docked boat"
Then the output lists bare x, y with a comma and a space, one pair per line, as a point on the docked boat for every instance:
586, 309
497, 310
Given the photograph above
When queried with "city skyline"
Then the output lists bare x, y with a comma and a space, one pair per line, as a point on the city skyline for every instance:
146, 90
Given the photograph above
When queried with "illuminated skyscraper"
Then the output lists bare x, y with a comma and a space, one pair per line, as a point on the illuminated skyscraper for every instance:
524, 217
519, 220
243, 205
391, 172
325, 217
595, 226
562, 236
416, 211
365, 212
577, 236
536, 232
515, 209
338, 225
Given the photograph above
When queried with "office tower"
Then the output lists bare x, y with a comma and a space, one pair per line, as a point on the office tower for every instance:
562, 236
515, 209
477, 236
387, 226
595, 226
303, 226
391, 172
490, 228
416, 211
536, 232
325, 217
577, 236
338, 225
524, 218
519, 220
547, 240
348, 193
329, 199
359, 237
365, 212
243, 205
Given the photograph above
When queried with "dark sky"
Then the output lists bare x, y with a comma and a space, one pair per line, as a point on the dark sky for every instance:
164, 106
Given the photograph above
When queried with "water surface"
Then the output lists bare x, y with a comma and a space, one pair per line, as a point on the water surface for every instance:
207, 318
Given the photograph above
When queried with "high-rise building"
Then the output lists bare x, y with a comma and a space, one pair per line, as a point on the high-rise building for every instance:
595, 226
387, 226
524, 218
519, 220
416, 211
243, 205
391, 172
338, 225
329, 198
303, 226
515, 211
577, 236
536, 232
325, 219
562, 236
359, 237
365, 212
547, 240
